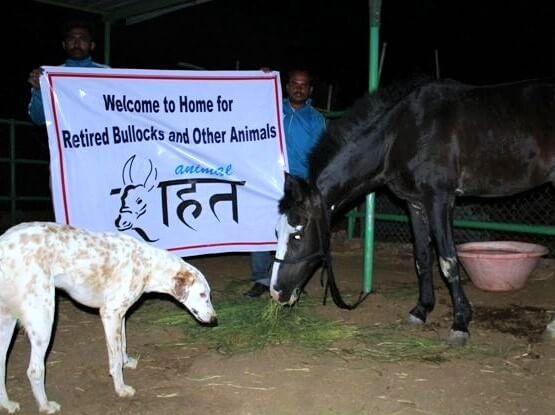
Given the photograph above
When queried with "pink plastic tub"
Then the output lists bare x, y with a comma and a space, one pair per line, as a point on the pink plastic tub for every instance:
499, 265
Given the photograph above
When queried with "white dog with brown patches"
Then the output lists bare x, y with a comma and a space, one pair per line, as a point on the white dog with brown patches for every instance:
107, 271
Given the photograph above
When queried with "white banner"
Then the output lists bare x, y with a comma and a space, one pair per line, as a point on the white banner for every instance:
191, 161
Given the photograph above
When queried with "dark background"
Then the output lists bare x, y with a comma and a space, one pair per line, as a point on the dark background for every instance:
478, 41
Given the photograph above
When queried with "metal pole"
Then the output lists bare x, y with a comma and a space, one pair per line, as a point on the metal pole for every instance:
375, 9
107, 41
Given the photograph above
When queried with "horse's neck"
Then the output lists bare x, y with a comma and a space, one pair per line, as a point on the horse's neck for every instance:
347, 178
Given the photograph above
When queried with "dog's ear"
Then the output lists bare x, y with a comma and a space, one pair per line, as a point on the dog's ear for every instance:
181, 283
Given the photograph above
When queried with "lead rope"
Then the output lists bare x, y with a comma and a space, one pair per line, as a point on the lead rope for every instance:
329, 282
331, 286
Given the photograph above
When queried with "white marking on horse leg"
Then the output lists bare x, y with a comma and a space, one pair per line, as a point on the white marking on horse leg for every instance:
414, 321
549, 332
457, 338
417, 208
448, 265
417, 267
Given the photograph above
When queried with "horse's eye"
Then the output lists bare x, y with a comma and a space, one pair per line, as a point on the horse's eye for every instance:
299, 233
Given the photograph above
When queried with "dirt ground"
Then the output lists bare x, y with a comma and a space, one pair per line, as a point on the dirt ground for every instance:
173, 378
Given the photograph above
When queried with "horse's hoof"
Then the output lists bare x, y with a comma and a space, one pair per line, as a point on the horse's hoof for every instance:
414, 321
458, 338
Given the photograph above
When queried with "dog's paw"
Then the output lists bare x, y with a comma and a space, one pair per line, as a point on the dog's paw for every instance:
10, 406
131, 363
51, 407
126, 391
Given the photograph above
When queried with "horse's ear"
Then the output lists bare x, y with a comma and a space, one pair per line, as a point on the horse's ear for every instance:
295, 187
294, 192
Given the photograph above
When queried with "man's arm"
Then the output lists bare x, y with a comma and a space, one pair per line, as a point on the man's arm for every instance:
35, 109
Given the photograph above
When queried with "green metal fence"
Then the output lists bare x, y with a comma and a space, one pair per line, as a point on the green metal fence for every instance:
527, 217
24, 173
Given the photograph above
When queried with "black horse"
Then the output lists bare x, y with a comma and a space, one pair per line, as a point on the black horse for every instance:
429, 142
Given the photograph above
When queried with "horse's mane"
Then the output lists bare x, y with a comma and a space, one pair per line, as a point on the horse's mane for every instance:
361, 116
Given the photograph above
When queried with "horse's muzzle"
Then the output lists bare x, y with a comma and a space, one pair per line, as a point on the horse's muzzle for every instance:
277, 296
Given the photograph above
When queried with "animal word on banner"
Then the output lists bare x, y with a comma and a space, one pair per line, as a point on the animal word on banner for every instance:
189, 161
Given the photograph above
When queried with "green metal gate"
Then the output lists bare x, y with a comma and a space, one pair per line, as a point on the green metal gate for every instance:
24, 173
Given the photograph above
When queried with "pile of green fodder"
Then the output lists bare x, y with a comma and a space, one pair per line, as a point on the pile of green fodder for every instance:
246, 325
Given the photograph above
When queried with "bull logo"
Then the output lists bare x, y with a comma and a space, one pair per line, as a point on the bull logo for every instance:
138, 182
